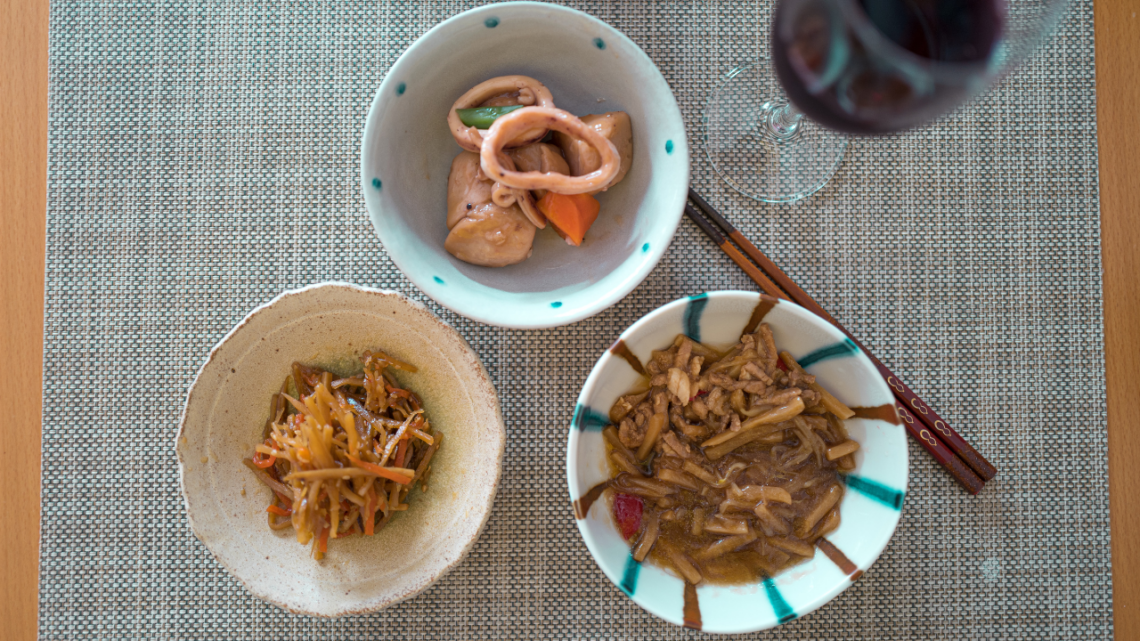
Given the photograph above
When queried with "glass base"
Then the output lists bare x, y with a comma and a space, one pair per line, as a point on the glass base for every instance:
759, 146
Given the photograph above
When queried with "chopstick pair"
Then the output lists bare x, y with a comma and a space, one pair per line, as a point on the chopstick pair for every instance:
947, 447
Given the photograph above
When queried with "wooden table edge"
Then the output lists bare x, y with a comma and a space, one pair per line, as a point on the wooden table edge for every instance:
23, 120
23, 199
1118, 135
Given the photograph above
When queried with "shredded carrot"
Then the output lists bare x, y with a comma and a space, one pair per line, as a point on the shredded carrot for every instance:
323, 541
370, 512
279, 511
571, 215
383, 472
401, 450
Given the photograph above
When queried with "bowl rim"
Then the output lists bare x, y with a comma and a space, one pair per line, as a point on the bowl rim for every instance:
486, 313
824, 596
486, 506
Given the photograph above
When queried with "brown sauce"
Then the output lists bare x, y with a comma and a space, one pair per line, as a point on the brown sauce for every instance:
765, 555
722, 505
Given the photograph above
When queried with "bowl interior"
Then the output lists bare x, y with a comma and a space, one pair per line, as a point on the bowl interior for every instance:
225, 415
875, 489
590, 68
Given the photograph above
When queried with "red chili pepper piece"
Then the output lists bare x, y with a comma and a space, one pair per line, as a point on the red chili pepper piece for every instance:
264, 461
627, 513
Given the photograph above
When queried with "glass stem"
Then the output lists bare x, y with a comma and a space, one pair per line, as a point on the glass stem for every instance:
784, 121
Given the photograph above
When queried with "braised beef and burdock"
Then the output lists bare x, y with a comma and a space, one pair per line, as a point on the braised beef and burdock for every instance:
725, 466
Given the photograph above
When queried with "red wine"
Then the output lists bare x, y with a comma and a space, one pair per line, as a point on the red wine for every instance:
877, 66
939, 30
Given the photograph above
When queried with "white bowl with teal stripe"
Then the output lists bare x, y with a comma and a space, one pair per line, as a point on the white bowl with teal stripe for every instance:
871, 505
589, 67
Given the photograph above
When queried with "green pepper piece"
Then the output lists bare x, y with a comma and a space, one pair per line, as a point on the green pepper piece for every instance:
482, 117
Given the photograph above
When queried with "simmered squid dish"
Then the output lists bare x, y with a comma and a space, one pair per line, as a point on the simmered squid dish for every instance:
341, 455
725, 467
525, 164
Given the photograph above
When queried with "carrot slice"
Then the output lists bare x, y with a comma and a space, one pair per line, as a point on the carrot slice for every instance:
571, 215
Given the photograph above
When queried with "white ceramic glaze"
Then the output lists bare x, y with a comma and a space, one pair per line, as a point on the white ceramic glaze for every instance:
331, 325
589, 67
875, 489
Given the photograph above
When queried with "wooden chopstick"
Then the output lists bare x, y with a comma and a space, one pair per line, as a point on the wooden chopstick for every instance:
907, 396
945, 444
753, 272
947, 459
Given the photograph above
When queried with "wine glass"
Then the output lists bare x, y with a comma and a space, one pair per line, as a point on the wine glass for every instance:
865, 67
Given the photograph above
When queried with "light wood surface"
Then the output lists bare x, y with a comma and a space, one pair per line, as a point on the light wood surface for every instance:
23, 149
1118, 133
23, 197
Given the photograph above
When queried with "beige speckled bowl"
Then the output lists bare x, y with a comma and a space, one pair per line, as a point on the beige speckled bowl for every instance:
330, 325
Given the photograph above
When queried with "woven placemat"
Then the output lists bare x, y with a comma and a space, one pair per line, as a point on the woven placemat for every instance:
204, 158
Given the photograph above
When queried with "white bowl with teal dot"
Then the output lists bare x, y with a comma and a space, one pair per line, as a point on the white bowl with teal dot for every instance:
590, 67
871, 505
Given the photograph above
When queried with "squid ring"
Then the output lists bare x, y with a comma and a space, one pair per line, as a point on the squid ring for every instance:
505, 196
507, 128
530, 91
530, 209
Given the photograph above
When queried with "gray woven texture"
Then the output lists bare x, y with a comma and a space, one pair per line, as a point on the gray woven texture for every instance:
204, 158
